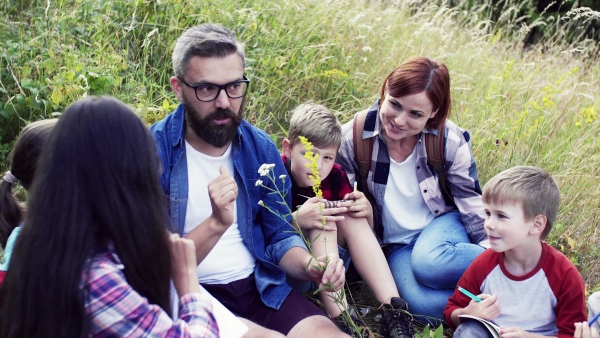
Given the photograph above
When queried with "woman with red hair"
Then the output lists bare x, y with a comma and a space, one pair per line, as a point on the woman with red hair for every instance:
429, 239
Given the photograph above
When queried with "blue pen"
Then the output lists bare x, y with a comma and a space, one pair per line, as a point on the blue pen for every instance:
594, 320
472, 296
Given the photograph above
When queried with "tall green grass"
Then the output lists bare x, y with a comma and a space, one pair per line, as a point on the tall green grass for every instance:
537, 106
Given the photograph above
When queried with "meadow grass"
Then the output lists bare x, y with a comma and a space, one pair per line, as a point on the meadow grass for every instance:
535, 106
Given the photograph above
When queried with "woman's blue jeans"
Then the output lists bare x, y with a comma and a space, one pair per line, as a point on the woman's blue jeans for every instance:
426, 270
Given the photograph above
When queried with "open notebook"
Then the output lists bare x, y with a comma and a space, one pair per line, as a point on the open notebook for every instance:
493, 328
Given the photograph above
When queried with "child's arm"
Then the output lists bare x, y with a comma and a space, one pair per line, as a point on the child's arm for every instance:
183, 265
471, 280
515, 332
570, 306
310, 215
488, 308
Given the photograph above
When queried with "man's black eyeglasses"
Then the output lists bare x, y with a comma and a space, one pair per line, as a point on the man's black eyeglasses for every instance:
209, 92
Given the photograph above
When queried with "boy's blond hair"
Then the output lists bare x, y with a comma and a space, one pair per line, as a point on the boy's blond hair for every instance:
317, 123
531, 186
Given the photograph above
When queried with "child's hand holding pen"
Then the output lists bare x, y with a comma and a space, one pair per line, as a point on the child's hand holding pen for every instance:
582, 330
483, 306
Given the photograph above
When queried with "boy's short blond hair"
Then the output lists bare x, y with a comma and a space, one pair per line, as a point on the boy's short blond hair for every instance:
317, 123
531, 186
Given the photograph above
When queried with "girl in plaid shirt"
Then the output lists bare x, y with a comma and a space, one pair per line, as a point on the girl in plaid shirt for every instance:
94, 257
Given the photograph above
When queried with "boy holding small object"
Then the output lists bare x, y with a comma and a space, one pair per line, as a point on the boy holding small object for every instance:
525, 286
347, 213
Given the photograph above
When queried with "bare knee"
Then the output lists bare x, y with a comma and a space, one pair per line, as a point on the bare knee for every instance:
316, 326
352, 229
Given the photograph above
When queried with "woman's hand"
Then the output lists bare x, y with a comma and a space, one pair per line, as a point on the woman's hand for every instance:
582, 330
310, 215
183, 265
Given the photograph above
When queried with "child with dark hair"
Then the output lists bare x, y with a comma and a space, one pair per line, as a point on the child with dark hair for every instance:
23, 161
94, 256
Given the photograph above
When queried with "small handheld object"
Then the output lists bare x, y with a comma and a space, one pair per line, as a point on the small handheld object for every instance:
594, 319
327, 204
470, 295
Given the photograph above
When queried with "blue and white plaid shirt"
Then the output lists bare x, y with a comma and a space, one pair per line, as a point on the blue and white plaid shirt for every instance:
461, 171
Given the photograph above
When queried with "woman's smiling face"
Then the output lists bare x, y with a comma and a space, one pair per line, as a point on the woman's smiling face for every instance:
405, 117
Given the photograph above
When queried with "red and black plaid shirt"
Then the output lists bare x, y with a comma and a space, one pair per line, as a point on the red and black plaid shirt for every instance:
334, 187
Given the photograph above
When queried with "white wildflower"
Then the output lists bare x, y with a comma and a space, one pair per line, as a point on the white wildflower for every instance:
265, 168
259, 183
367, 49
282, 177
261, 203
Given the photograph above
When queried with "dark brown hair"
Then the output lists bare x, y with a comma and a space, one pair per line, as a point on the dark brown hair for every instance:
97, 185
23, 161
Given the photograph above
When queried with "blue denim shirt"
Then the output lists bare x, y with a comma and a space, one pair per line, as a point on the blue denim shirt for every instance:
267, 236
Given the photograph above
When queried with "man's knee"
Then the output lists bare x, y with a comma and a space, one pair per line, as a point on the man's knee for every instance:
470, 329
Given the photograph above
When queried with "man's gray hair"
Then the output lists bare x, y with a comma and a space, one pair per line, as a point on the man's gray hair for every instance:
206, 40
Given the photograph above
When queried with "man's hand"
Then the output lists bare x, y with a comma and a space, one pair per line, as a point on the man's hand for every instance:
309, 216
223, 192
335, 272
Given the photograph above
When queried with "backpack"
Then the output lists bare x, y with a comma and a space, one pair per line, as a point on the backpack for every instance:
363, 152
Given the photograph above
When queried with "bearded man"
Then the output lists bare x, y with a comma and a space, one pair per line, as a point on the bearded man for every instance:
211, 158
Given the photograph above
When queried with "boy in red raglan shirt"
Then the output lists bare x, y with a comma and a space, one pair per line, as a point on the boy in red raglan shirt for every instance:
526, 287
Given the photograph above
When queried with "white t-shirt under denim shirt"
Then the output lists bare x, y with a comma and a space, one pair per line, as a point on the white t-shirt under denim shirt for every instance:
405, 212
230, 259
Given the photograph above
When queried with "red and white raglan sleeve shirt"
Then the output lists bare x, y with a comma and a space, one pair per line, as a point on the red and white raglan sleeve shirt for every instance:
546, 301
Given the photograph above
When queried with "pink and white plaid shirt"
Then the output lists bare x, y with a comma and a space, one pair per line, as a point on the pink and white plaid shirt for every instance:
114, 309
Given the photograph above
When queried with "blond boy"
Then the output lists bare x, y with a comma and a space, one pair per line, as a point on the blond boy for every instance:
347, 232
526, 287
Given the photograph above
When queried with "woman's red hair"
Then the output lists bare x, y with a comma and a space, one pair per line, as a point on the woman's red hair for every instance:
420, 74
